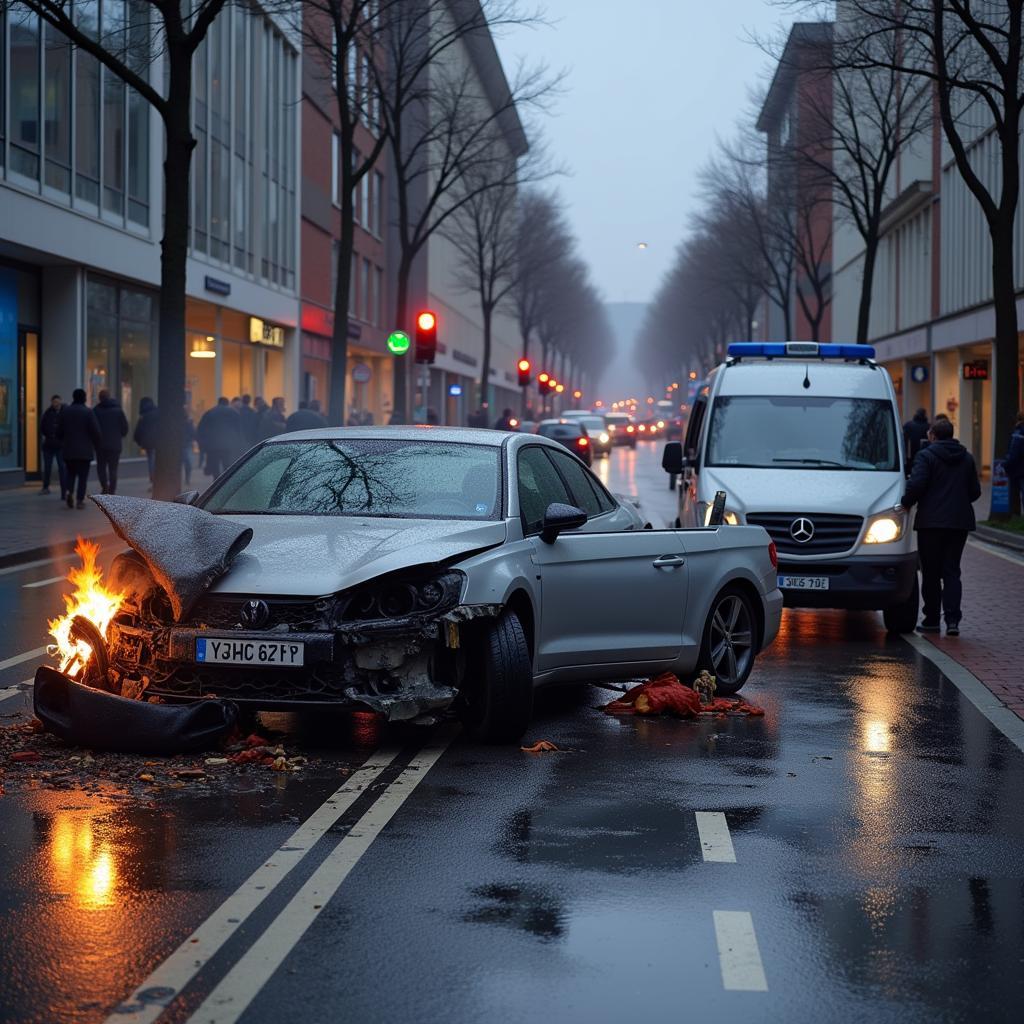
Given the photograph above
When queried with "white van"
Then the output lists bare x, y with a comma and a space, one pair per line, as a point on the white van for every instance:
805, 440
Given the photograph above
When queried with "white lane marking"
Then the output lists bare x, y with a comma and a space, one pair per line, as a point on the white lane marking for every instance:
186, 961
240, 986
19, 658
43, 583
715, 840
35, 565
738, 955
14, 691
990, 548
1005, 720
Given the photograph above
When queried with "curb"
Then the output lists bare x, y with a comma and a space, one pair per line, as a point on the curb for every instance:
48, 552
1004, 538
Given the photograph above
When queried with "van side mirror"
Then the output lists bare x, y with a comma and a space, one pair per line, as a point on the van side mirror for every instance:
672, 457
559, 517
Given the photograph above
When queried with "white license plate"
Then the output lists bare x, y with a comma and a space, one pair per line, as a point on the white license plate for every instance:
216, 650
803, 583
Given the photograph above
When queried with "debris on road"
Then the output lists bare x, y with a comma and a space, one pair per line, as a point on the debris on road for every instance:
541, 747
666, 695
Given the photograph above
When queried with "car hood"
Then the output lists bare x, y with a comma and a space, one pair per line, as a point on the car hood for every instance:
317, 555
847, 492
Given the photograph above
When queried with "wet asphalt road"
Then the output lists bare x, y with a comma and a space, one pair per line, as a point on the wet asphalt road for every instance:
857, 854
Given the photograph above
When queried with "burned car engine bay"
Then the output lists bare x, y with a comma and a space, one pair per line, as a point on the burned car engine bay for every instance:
396, 644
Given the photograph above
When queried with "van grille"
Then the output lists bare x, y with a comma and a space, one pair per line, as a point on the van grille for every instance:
832, 533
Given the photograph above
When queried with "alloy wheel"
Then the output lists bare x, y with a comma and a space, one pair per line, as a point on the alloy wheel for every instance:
732, 639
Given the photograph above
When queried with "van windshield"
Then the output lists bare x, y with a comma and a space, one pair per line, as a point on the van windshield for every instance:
773, 432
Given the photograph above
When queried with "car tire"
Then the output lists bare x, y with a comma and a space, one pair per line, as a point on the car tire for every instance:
902, 618
498, 703
733, 622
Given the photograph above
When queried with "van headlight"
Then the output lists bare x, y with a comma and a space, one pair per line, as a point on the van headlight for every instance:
885, 529
729, 518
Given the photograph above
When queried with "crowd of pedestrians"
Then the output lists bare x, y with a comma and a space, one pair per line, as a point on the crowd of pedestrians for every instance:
73, 435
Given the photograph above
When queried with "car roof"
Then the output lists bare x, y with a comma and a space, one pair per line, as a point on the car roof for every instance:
785, 377
405, 432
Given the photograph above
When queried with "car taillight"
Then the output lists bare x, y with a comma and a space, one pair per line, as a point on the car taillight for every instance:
773, 554
582, 441
629, 430
642, 428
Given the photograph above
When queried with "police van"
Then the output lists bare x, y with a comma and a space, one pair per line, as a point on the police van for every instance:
805, 440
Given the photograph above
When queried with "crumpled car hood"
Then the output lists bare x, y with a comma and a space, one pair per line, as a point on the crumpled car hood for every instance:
317, 555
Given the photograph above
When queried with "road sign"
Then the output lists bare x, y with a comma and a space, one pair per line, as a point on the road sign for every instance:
361, 373
919, 374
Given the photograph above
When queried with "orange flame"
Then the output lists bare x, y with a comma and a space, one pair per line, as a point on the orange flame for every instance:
90, 600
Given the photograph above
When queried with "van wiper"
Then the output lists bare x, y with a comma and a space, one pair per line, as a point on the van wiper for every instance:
816, 462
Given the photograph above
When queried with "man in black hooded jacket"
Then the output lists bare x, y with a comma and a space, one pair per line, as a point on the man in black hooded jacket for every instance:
943, 483
915, 433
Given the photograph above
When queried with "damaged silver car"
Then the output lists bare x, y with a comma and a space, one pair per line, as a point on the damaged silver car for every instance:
411, 569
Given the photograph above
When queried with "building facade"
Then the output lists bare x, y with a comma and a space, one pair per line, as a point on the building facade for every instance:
81, 200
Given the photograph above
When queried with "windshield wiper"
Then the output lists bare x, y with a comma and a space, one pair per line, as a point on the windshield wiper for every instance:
816, 462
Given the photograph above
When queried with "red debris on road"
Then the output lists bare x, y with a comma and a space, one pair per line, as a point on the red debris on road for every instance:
666, 695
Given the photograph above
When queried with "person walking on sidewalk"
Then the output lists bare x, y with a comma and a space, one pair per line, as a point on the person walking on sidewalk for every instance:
915, 433
113, 429
1014, 461
220, 437
79, 434
51, 447
943, 483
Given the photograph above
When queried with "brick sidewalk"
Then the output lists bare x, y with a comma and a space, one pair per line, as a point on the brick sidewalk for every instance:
991, 644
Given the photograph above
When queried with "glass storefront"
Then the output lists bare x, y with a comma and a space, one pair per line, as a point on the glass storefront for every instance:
9, 383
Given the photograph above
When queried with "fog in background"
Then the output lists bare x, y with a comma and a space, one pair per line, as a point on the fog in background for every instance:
650, 84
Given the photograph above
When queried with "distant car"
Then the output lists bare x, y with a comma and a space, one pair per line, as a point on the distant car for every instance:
622, 429
652, 429
528, 427
575, 414
597, 431
411, 569
675, 428
570, 433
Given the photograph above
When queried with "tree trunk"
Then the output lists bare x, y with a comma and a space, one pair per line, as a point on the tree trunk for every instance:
866, 286
400, 401
1006, 387
342, 297
173, 259
486, 313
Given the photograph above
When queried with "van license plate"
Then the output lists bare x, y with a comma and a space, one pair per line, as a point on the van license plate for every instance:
217, 650
803, 583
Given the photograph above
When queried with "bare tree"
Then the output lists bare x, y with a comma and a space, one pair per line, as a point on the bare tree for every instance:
127, 47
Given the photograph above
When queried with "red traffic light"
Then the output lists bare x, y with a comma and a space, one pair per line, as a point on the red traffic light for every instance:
426, 336
524, 372
542, 382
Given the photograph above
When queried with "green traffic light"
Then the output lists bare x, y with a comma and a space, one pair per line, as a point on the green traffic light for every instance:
398, 343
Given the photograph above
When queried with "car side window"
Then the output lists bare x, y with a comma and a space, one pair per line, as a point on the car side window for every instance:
539, 486
578, 478
693, 428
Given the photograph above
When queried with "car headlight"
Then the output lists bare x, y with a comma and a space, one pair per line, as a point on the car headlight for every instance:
729, 518
603, 437
402, 596
885, 529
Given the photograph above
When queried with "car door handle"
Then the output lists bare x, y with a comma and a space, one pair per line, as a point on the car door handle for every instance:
668, 562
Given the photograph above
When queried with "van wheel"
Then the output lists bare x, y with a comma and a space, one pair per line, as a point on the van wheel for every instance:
497, 704
902, 618
729, 640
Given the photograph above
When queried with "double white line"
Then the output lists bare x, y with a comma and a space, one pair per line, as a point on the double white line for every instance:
229, 1000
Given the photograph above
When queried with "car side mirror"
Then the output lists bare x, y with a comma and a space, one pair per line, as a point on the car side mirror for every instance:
672, 457
559, 517
186, 498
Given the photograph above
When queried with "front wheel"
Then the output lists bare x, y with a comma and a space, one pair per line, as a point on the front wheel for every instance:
497, 704
902, 618
729, 640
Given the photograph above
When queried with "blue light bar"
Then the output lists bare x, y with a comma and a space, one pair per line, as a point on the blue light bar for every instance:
798, 350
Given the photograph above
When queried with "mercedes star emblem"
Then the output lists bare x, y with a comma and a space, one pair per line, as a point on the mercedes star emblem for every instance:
801, 530
255, 614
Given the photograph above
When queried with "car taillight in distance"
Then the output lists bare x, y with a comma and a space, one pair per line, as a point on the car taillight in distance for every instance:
629, 429
583, 441
773, 554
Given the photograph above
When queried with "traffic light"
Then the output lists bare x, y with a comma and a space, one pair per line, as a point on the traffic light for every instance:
577, 394
524, 372
542, 383
426, 336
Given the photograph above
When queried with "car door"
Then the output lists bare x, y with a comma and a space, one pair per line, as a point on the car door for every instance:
609, 597
691, 452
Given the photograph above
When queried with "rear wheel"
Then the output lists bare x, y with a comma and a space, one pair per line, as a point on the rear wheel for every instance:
902, 618
497, 704
729, 641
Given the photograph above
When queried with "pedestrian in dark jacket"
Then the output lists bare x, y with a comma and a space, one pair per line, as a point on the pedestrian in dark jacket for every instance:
1013, 463
249, 418
113, 429
51, 447
306, 417
79, 434
220, 437
915, 433
504, 421
147, 429
943, 483
273, 420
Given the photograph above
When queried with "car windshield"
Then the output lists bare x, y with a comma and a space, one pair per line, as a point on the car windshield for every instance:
365, 477
772, 432
561, 431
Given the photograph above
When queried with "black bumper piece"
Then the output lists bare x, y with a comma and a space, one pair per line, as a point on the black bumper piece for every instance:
869, 584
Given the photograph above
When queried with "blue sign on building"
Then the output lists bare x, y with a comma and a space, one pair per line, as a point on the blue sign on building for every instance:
455, 390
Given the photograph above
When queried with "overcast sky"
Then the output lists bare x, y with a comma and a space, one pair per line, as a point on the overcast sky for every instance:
650, 83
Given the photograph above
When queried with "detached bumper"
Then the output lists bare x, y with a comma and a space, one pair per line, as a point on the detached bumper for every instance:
859, 583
